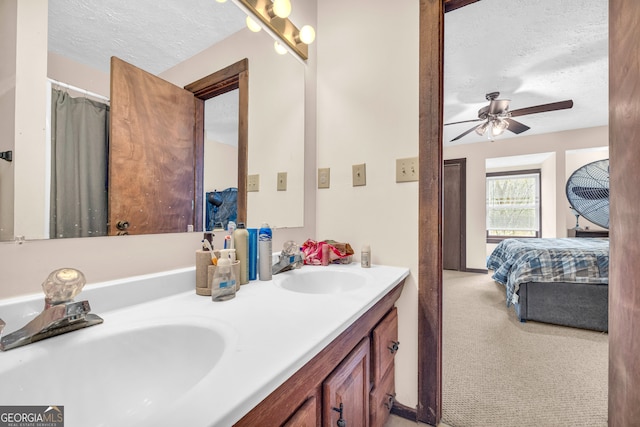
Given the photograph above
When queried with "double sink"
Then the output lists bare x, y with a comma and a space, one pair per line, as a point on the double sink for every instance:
172, 356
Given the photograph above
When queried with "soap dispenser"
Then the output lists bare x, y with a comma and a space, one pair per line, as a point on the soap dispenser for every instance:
223, 286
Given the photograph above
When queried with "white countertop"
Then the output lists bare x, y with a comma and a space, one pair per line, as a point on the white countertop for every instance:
269, 332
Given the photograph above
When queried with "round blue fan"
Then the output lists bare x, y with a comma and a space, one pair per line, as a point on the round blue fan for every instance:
588, 192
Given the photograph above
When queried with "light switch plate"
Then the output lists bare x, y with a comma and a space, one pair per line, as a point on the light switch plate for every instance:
324, 177
282, 181
359, 175
407, 169
253, 183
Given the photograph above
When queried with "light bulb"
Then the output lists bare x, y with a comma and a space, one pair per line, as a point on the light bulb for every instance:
279, 48
498, 127
282, 8
253, 25
482, 128
307, 34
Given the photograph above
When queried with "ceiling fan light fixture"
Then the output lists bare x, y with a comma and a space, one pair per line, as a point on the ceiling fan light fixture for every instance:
498, 126
480, 130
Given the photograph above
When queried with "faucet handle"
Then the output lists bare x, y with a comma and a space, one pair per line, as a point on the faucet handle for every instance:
63, 285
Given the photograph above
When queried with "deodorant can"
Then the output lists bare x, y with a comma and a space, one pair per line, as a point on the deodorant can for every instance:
365, 257
264, 252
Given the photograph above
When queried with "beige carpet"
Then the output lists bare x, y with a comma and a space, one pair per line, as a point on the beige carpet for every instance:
500, 372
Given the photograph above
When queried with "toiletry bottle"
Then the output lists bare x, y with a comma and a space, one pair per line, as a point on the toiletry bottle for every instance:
228, 239
365, 257
264, 252
253, 253
324, 260
223, 286
241, 243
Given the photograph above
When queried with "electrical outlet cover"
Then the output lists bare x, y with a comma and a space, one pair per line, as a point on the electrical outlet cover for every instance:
359, 175
407, 169
253, 183
282, 181
324, 177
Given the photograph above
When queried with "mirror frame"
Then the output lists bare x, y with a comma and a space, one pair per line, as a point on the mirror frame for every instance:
235, 76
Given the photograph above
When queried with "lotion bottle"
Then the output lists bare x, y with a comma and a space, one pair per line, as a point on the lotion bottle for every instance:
241, 244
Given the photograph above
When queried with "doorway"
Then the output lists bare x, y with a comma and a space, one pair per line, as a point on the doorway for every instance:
624, 302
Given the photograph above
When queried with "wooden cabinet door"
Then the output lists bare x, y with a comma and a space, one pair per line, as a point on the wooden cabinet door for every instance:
306, 415
348, 385
151, 153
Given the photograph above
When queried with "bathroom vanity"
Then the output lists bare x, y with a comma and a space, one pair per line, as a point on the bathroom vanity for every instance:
305, 348
352, 378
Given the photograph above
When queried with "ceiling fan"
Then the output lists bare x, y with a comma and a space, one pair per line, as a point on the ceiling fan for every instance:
496, 116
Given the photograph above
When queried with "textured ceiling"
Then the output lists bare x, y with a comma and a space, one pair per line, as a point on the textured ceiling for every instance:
532, 52
151, 35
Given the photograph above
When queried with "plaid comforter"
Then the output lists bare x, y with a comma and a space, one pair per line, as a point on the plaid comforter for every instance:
516, 261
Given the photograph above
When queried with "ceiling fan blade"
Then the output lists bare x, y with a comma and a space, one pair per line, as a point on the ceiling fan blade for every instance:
516, 127
562, 105
498, 106
464, 121
463, 134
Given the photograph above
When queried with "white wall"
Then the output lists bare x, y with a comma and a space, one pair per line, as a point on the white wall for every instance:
368, 113
558, 143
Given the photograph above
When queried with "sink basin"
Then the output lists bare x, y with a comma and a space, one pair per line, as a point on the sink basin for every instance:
316, 280
118, 373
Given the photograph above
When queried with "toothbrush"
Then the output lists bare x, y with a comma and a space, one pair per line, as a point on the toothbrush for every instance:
207, 247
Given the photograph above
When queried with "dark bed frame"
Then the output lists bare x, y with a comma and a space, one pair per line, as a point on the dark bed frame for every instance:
579, 305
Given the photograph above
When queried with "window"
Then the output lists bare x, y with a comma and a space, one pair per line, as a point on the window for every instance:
513, 205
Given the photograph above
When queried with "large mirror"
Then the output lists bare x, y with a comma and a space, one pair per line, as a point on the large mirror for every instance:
180, 46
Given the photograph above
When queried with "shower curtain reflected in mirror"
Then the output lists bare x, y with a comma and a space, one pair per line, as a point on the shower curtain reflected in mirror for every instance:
79, 152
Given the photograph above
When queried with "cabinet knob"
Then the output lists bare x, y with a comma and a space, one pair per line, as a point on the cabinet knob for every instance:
395, 345
122, 225
341, 421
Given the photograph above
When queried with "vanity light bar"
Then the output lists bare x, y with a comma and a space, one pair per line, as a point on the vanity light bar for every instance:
281, 28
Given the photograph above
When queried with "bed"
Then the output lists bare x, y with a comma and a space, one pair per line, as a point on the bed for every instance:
559, 281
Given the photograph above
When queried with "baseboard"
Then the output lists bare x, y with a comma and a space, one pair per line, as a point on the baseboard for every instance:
404, 412
476, 270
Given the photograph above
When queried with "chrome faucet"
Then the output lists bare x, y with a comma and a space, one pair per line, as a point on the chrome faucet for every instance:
61, 313
290, 258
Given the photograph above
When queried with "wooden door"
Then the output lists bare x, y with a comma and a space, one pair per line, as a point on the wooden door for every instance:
453, 218
151, 153
306, 415
348, 385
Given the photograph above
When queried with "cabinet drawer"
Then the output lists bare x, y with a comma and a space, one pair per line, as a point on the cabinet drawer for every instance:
381, 400
385, 345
